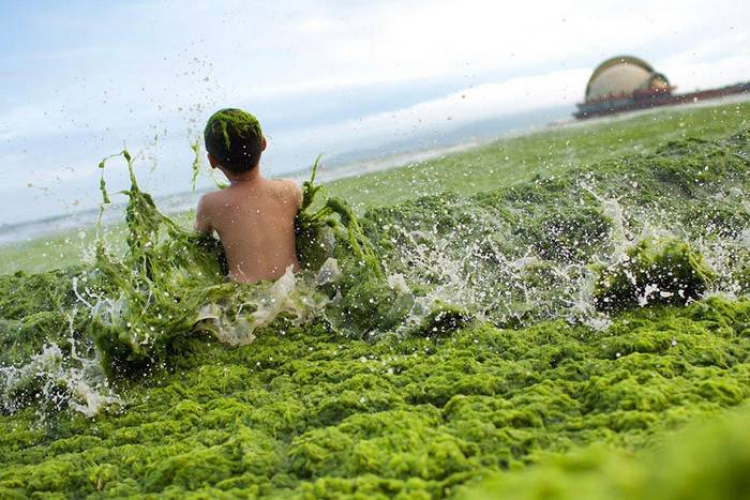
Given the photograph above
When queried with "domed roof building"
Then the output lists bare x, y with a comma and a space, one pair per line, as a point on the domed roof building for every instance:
626, 83
624, 76
622, 82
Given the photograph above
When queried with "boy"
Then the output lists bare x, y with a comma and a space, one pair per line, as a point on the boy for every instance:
254, 216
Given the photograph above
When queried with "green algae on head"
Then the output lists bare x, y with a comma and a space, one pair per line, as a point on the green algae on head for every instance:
233, 137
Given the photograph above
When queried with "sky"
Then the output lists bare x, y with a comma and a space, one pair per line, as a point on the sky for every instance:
82, 79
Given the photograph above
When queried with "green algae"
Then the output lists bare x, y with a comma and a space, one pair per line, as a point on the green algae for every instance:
313, 226
666, 272
196, 166
366, 303
460, 339
706, 461
311, 413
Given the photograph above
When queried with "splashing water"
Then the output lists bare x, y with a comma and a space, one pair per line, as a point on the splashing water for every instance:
547, 249
51, 378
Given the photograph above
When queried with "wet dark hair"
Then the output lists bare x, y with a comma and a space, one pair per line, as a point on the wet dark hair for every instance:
234, 138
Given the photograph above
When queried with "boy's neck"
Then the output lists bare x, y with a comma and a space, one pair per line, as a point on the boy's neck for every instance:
245, 177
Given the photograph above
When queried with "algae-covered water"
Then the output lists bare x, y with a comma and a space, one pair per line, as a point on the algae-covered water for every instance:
542, 338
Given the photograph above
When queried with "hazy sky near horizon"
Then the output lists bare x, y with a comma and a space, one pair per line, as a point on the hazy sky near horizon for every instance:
82, 78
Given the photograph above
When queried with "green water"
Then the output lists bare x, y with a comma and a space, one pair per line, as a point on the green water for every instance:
571, 318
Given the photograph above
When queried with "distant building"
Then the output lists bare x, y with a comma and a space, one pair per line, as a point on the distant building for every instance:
626, 83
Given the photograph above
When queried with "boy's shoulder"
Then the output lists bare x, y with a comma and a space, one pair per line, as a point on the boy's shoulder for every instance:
211, 197
211, 201
278, 188
288, 187
286, 183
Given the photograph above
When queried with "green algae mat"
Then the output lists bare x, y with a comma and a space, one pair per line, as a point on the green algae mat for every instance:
580, 331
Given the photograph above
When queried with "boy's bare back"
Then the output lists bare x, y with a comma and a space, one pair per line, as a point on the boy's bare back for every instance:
254, 217
255, 222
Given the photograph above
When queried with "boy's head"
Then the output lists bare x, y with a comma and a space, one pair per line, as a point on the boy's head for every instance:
234, 140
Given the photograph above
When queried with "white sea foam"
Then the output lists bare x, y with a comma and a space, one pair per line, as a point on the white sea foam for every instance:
59, 380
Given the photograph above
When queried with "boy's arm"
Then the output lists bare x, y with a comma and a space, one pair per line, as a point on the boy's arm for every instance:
202, 219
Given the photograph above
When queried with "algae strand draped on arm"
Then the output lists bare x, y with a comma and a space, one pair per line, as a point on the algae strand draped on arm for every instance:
335, 214
364, 301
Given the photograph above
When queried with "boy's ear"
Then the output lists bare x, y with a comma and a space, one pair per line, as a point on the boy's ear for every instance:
212, 161
263, 143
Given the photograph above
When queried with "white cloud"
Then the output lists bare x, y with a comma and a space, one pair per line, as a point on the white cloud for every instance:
713, 62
